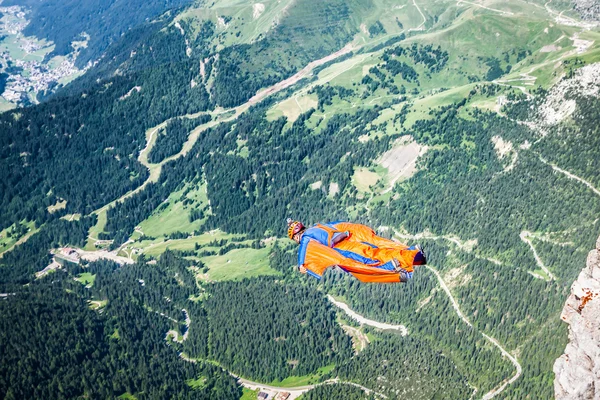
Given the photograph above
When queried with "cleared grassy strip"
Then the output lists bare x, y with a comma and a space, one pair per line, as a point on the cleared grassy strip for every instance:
96, 230
11, 244
7, 241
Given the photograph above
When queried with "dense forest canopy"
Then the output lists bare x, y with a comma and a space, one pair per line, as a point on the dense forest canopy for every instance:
102, 22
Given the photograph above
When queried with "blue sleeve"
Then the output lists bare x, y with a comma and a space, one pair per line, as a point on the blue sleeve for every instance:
302, 250
302, 255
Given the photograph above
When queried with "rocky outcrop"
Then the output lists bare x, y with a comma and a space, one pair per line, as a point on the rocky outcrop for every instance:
588, 9
578, 369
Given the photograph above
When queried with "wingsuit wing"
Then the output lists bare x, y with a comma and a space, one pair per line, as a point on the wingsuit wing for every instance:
316, 258
364, 241
365, 234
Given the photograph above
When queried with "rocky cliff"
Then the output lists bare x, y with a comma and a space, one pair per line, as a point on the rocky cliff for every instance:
578, 369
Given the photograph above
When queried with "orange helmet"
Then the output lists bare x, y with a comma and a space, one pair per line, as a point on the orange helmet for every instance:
294, 227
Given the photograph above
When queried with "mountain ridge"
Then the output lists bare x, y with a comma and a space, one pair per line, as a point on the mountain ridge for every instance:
576, 370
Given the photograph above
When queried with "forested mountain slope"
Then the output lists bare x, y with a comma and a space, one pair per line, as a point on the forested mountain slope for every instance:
469, 128
63, 22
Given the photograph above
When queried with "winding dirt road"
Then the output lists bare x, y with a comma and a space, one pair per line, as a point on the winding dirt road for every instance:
493, 393
422, 25
173, 333
362, 320
463, 245
570, 175
519, 370
452, 300
525, 237
294, 392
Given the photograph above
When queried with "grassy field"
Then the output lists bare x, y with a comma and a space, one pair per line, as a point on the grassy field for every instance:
71, 217
127, 396
86, 278
174, 217
363, 179
59, 205
239, 264
294, 381
12, 44
471, 34
421, 107
542, 273
198, 383
372, 338
248, 394
115, 334
292, 108
249, 20
5, 105
7, 241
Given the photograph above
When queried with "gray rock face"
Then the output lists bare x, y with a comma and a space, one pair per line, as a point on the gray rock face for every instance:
588, 9
578, 369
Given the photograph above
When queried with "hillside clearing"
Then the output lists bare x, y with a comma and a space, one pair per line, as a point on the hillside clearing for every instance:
239, 264
292, 107
401, 160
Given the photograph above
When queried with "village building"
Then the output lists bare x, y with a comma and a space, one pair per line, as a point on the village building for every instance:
66, 255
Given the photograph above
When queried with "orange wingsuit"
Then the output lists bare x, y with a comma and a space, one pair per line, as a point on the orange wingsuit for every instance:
320, 257
356, 249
